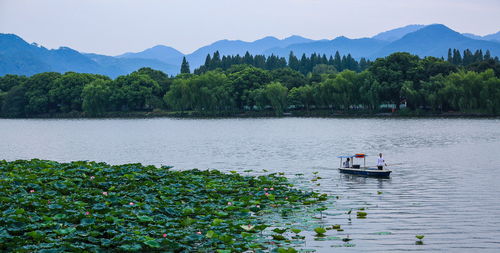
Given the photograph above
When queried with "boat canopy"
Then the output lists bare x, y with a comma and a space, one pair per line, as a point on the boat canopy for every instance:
352, 156
346, 156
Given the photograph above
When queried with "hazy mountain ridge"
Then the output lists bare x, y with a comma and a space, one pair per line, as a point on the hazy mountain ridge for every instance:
435, 40
356, 47
234, 47
159, 52
491, 37
398, 33
19, 57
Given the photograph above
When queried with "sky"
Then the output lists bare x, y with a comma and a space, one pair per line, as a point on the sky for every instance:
113, 27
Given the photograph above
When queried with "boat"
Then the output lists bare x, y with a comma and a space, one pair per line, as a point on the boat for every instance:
357, 169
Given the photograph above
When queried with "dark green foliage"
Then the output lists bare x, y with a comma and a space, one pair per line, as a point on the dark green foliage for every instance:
14, 102
96, 207
211, 91
305, 65
273, 95
185, 66
96, 96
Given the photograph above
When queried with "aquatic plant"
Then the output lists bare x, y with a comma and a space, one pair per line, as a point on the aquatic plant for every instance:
320, 231
297, 231
286, 250
320, 210
346, 239
95, 207
361, 215
278, 237
280, 230
419, 237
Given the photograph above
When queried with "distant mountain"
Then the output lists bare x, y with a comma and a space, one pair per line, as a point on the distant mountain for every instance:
472, 36
435, 40
28, 59
19, 57
120, 66
398, 33
160, 53
491, 37
234, 47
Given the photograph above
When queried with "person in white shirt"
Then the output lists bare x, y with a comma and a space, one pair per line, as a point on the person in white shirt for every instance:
381, 162
347, 163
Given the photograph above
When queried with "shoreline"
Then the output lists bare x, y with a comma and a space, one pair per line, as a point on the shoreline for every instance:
254, 114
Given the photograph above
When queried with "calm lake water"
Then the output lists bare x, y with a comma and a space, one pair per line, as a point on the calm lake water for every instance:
447, 186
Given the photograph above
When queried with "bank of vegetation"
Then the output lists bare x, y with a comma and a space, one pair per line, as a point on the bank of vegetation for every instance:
464, 83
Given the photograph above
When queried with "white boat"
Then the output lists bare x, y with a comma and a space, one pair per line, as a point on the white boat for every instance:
357, 169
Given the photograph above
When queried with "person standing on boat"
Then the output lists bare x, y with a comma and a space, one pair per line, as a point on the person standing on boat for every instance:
381, 162
347, 163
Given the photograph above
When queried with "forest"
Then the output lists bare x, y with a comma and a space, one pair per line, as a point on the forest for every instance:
465, 82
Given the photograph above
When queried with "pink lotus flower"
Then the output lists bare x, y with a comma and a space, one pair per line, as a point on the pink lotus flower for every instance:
229, 203
286, 197
164, 235
92, 177
265, 189
87, 213
131, 203
267, 193
271, 189
105, 193
198, 232
32, 191
258, 206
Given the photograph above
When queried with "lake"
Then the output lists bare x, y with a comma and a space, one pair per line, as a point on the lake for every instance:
445, 187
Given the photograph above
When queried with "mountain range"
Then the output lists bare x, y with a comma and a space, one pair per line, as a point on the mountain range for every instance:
19, 57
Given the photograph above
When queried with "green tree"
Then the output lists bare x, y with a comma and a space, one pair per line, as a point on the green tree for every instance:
135, 92
9, 81
14, 102
244, 80
185, 66
324, 69
324, 93
179, 97
288, 77
67, 89
276, 93
37, 93
302, 96
158, 76
95, 96
391, 72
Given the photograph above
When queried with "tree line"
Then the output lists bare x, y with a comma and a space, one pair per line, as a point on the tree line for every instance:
315, 63
430, 84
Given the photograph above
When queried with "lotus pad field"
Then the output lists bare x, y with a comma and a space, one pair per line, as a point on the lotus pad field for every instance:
95, 207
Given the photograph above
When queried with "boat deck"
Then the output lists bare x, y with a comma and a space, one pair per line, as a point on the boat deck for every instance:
366, 171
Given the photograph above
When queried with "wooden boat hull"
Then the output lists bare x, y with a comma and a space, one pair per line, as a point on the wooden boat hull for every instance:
366, 172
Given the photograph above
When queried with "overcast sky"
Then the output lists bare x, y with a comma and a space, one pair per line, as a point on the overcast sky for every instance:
116, 26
